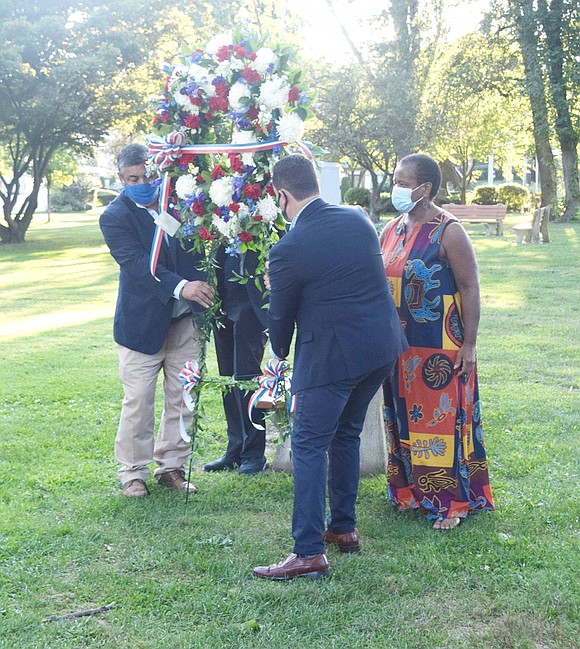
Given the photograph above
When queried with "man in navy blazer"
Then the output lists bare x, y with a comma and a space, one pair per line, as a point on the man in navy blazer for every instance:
153, 328
327, 280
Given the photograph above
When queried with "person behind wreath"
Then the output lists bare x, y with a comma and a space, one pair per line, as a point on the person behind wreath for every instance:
240, 339
327, 279
153, 328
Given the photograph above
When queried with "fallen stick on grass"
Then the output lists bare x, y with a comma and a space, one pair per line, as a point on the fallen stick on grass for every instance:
85, 613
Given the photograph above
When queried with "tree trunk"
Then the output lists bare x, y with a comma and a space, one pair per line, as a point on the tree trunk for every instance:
552, 21
526, 27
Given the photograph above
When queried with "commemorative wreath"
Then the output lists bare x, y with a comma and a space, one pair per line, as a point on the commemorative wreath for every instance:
226, 114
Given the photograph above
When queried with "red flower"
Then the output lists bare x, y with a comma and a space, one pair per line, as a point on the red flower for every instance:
252, 190
235, 163
219, 104
217, 172
245, 236
234, 207
208, 116
270, 190
258, 217
165, 118
200, 178
198, 209
221, 89
252, 113
156, 119
205, 234
191, 121
223, 54
239, 51
196, 101
252, 56
293, 94
251, 76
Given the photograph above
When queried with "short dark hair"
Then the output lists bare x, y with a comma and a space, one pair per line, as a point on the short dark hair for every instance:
296, 174
132, 154
426, 170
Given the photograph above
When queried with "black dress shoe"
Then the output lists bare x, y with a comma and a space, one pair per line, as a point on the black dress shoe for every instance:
223, 464
252, 467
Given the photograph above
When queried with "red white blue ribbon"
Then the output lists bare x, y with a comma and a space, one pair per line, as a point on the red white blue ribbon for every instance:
275, 385
189, 376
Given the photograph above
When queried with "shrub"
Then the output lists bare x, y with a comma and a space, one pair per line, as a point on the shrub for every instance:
105, 196
358, 196
344, 187
515, 196
485, 195
76, 197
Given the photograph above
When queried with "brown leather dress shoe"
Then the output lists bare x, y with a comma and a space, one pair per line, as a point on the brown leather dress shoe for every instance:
295, 566
347, 542
176, 480
135, 488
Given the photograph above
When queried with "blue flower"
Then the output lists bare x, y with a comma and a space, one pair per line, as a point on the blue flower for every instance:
416, 413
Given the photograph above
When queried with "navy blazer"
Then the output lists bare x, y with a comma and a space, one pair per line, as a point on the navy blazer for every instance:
327, 278
237, 298
144, 305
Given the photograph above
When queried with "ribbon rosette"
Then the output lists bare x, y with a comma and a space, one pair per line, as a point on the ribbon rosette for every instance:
274, 384
189, 376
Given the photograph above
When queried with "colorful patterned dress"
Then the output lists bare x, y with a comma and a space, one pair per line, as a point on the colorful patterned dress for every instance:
436, 453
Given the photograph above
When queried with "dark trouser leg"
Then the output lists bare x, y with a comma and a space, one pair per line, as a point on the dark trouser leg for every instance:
240, 348
344, 456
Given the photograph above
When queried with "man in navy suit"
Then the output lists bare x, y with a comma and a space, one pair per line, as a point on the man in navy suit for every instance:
153, 328
239, 341
327, 279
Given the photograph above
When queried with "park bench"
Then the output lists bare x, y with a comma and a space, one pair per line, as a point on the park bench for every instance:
530, 232
489, 215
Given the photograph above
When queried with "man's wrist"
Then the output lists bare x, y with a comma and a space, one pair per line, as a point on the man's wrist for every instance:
179, 289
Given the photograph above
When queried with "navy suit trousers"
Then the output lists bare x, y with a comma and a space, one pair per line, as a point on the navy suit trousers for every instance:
326, 435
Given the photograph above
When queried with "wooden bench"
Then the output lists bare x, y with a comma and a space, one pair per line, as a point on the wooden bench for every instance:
530, 232
489, 215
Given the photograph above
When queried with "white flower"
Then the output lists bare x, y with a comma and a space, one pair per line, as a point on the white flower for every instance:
221, 191
274, 93
245, 137
185, 186
290, 128
197, 72
266, 61
224, 70
180, 99
218, 41
234, 226
220, 225
237, 92
267, 208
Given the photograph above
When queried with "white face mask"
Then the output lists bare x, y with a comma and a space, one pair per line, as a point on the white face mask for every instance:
401, 198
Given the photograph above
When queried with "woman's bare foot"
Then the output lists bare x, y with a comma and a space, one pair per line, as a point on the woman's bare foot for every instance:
446, 524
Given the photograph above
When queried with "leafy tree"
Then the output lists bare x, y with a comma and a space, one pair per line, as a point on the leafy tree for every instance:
472, 108
72, 69
552, 17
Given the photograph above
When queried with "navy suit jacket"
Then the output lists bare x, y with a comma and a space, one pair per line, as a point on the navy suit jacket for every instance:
144, 305
237, 298
327, 278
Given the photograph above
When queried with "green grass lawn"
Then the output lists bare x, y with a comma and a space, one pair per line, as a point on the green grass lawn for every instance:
180, 576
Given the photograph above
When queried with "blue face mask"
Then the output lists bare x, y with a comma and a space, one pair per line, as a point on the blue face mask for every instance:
143, 194
401, 198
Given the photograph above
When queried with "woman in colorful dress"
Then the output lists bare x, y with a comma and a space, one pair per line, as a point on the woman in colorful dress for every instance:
437, 460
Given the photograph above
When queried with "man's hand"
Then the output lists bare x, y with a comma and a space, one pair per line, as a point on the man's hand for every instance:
266, 276
200, 292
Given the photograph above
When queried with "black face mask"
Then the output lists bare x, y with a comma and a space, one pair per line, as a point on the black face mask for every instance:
283, 209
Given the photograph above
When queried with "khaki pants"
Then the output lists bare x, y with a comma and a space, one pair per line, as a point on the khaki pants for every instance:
135, 445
